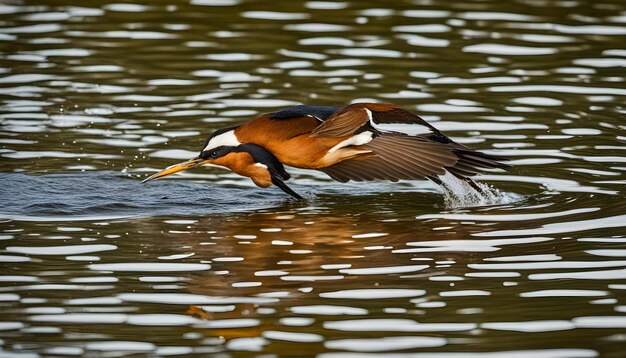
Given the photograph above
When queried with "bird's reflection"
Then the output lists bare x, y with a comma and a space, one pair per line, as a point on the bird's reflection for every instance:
292, 253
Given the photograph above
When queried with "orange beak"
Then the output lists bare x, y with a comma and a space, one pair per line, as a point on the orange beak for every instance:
191, 163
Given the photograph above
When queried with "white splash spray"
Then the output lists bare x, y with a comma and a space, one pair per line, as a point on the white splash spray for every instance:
459, 194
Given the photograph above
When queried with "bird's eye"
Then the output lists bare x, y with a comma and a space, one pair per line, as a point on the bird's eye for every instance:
213, 154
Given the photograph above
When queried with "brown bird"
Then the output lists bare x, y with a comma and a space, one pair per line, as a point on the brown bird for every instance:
347, 143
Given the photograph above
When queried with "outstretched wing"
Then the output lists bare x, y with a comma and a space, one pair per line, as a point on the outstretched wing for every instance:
396, 157
347, 120
403, 157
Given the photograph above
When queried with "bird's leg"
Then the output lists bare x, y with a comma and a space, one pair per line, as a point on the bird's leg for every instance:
474, 185
470, 182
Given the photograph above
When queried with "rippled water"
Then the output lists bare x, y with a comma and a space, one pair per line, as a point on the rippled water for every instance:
97, 95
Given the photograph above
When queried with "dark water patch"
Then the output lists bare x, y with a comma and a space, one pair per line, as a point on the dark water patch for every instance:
75, 196
108, 194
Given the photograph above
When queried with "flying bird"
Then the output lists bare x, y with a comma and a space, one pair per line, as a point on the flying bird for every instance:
347, 143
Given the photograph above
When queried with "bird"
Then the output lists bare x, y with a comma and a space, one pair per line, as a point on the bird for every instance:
345, 142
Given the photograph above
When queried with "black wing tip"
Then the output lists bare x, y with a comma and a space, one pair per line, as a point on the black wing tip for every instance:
281, 184
435, 180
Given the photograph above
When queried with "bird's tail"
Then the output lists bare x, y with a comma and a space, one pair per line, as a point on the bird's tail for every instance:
470, 162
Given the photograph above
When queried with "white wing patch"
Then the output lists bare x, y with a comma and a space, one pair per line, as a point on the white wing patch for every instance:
225, 139
359, 139
410, 129
369, 116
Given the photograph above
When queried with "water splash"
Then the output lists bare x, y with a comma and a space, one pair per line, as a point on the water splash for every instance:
459, 194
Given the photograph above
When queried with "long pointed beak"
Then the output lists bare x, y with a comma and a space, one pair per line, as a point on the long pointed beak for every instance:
191, 163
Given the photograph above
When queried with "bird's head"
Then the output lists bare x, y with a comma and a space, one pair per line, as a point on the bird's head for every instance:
223, 149
219, 156
217, 147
